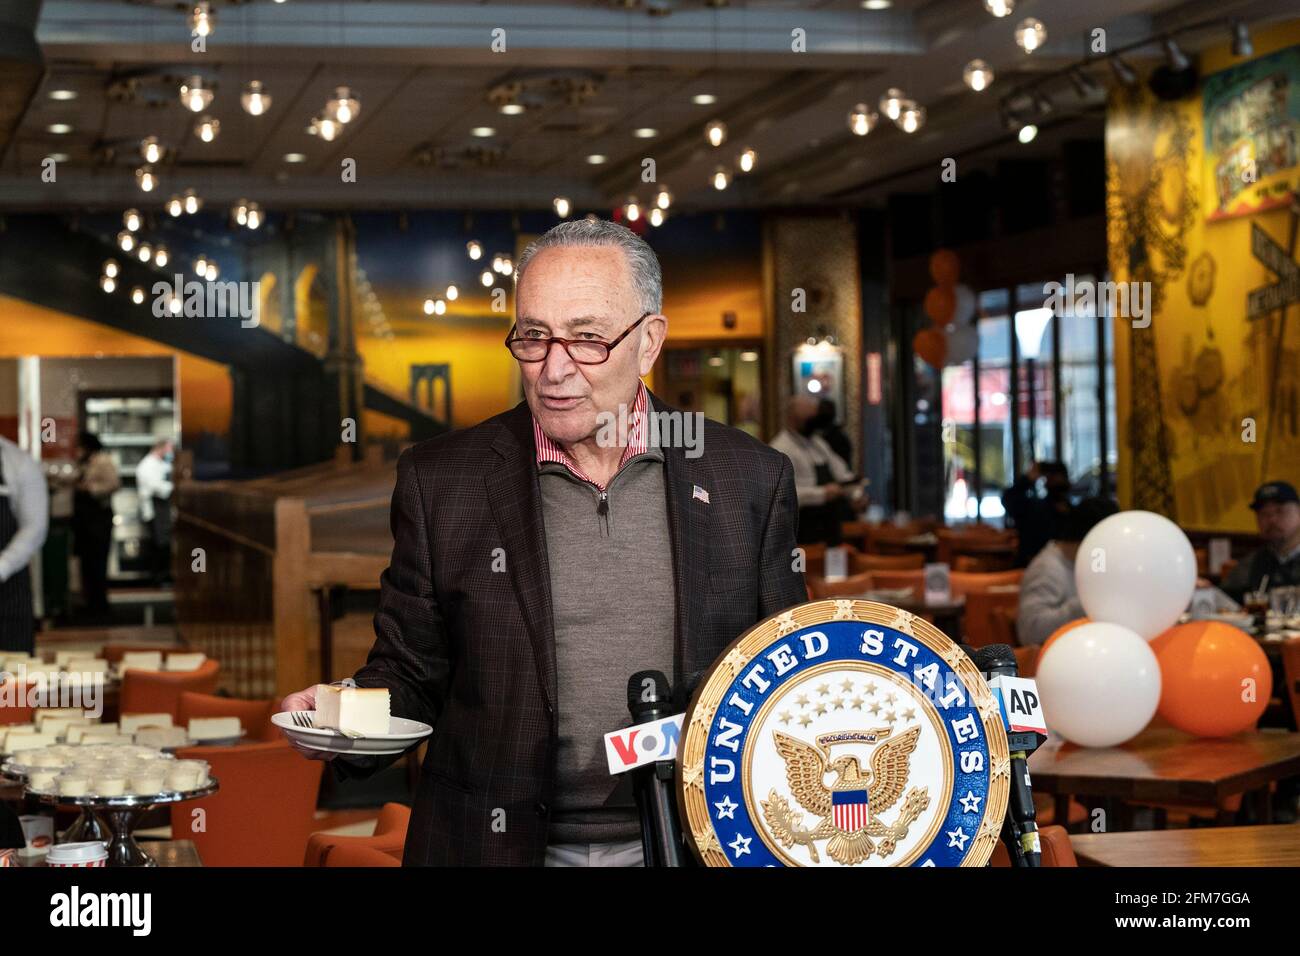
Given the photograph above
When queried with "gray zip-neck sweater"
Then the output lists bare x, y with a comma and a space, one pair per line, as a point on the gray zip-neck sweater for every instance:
614, 610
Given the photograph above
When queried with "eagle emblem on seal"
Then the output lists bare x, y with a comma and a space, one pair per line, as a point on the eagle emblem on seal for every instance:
848, 809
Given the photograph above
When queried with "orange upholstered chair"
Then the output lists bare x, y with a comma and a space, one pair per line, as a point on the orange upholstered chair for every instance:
113, 653
963, 583
15, 713
897, 580
158, 692
1291, 673
852, 586
979, 628
1055, 844
354, 856
254, 715
858, 563
264, 811
389, 839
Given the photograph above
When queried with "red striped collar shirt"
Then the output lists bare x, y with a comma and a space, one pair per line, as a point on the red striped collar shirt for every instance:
637, 440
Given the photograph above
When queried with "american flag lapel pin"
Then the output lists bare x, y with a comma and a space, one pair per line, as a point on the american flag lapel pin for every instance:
699, 494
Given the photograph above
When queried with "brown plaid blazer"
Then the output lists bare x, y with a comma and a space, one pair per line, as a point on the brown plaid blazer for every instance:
471, 651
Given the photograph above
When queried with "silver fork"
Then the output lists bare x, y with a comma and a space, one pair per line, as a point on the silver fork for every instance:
302, 718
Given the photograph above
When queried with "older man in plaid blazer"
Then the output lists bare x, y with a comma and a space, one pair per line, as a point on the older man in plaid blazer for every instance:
545, 555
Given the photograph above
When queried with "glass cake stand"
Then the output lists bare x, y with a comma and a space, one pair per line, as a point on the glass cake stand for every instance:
118, 816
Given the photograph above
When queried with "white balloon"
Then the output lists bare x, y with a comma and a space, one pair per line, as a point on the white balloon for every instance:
965, 304
1100, 685
1137, 569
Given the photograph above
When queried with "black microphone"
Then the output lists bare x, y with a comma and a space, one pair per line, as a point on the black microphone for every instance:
649, 698
1021, 828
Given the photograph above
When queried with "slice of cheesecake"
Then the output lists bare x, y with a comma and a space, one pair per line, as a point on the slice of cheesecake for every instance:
214, 728
362, 710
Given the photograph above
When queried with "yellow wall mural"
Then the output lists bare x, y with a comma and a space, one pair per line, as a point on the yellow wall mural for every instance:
1207, 395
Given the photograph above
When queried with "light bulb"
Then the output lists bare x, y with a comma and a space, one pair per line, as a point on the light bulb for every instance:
174, 206
632, 209
160, 256
716, 132
192, 202
174, 304
211, 272
474, 250
721, 178
241, 212
344, 107
107, 283
131, 219
150, 149
255, 99
1030, 34
207, 128
656, 216
911, 117
202, 19
1027, 133
891, 104
746, 160
125, 241
1000, 8
428, 307
452, 293
137, 295
201, 266
977, 75
146, 179
110, 268
254, 215
507, 266
439, 307
663, 198
195, 97
862, 120
486, 278
562, 206
144, 252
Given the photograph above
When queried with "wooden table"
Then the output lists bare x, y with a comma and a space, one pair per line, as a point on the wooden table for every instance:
1164, 765
172, 852
1202, 846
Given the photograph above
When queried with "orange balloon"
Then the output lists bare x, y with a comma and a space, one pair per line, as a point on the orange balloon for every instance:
940, 305
1068, 626
945, 268
1215, 678
932, 346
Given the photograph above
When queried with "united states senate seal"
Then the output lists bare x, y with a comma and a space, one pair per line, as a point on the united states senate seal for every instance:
843, 733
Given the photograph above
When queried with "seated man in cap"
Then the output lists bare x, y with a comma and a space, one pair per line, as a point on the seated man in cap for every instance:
1277, 513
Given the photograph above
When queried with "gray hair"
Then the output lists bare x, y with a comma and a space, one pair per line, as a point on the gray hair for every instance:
642, 263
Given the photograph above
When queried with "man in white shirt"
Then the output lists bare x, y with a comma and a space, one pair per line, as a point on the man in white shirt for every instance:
153, 486
1049, 597
24, 519
823, 482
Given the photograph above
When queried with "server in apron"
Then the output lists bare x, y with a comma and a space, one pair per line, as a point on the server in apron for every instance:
24, 519
824, 483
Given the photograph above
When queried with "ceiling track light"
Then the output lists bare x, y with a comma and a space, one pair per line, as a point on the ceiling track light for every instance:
1174, 55
1123, 72
1241, 45
1084, 85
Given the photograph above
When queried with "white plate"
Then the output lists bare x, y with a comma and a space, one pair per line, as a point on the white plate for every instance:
402, 733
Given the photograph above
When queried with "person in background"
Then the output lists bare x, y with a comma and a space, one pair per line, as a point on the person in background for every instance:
92, 520
831, 433
1277, 515
1036, 505
823, 482
1048, 596
154, 487
24, 520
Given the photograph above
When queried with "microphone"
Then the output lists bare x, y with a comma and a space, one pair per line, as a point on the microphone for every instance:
649, 699
1020, 830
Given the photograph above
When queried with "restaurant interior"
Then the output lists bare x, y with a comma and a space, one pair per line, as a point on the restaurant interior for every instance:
1033, 265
